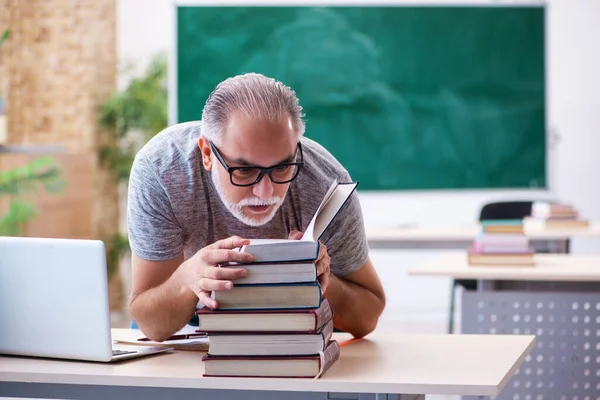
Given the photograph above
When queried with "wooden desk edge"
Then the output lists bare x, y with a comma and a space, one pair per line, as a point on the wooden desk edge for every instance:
516, 365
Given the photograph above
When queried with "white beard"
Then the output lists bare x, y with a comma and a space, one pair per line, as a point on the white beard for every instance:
236, 209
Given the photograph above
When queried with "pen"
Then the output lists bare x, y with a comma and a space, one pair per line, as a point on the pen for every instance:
178, 337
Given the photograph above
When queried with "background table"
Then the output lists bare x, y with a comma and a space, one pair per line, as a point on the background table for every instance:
462, 236
558, 300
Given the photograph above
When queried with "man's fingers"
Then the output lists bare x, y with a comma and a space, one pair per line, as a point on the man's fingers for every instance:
225, 273
322, 251
323, 260
230, 243
323, 266
211, 285
324, 282
295, 235
205, 299
218, 256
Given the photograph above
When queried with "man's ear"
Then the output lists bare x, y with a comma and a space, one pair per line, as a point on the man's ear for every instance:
206, 152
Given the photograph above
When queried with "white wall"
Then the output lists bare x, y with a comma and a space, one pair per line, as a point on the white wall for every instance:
573, 82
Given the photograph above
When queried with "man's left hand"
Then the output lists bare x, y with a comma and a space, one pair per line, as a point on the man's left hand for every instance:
323, 270
322, 261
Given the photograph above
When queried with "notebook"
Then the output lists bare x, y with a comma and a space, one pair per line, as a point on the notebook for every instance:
54, 301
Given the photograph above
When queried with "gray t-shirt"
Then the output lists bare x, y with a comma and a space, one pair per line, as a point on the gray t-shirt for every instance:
173, 207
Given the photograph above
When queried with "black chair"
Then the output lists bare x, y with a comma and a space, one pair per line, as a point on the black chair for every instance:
490, 211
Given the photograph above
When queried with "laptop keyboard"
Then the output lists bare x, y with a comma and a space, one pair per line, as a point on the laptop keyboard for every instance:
121, 352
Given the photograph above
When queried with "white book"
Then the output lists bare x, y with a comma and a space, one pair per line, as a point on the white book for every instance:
307, 248
287, 272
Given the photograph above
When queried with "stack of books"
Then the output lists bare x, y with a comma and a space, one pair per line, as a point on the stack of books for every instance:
501, 242
552, 215
275, 322
290, 343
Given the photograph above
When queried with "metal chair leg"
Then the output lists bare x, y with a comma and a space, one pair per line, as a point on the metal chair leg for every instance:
451, 314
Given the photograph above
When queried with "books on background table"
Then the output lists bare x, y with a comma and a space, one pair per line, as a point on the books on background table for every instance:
501, 242
275, 322
552, 215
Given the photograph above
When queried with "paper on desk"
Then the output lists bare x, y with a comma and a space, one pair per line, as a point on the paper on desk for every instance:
187, 329
198, 344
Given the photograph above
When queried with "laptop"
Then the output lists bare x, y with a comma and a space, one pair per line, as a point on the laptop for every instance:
54, 301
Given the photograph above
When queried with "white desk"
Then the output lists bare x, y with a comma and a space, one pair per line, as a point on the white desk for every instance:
549, 267
395, 365
462, 236
558, 300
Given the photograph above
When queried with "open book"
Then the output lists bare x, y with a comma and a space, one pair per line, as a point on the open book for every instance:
307, 248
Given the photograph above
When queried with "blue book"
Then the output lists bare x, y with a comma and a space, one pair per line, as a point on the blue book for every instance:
503, 222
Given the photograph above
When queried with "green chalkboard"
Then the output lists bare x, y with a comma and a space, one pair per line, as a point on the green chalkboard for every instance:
404, 97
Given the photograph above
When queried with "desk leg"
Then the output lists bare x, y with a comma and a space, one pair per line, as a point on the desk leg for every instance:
383, 396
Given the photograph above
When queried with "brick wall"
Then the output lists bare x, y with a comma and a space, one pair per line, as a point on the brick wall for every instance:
57, 67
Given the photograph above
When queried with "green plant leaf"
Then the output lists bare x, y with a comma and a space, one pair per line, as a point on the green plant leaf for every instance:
116, 246
139, 109
19, 213
4, 36
22, 180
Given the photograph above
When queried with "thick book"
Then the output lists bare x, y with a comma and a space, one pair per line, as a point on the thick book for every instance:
264, 297
307, 248
557, 223
506, 239
507, 226
312, 366
501, 259
299, 320
541, 209
287, 272
500, 249
270, 344
501, 243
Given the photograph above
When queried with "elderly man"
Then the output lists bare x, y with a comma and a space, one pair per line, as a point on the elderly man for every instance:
200, 189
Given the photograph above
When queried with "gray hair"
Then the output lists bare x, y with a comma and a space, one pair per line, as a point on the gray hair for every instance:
256, 96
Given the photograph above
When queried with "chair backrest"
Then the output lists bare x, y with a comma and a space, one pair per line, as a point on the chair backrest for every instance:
506, 210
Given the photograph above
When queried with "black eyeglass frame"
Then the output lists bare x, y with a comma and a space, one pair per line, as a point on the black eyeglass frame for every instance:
263, 170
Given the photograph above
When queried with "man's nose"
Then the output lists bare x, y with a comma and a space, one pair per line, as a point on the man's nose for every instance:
263, 189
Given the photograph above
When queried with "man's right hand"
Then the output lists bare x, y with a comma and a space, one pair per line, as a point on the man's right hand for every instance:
203, 274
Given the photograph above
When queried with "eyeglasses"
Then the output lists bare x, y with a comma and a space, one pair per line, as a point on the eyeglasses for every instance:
248, 176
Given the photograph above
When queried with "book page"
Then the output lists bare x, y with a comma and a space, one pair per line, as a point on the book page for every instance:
268, 241
326, 214
309, 232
